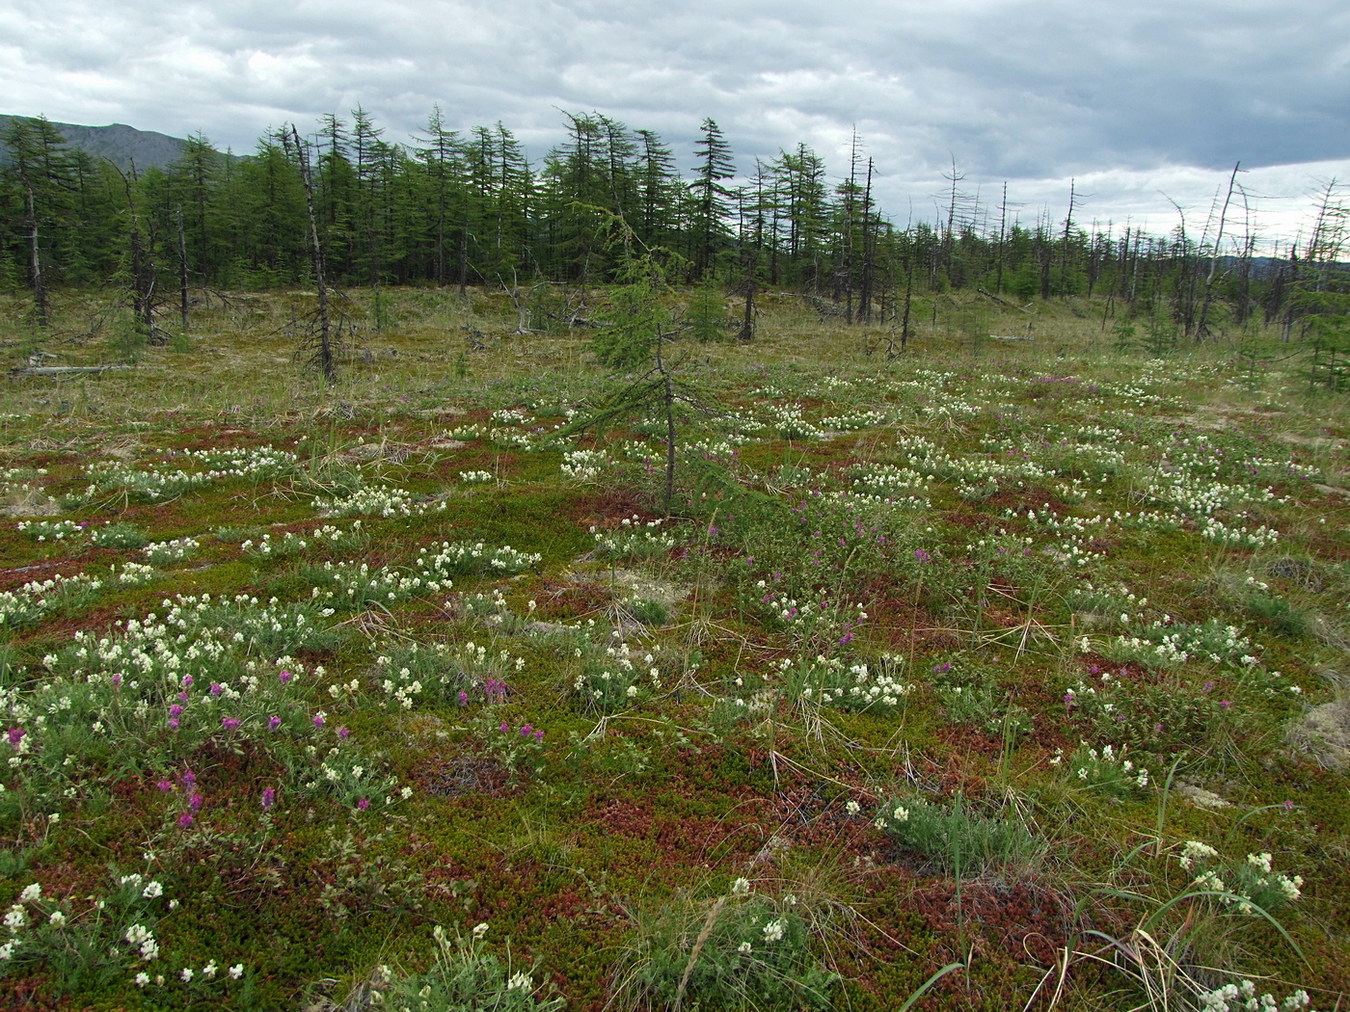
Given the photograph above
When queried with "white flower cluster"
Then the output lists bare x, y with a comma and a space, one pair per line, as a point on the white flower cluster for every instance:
634, 538
1245, 998
382, 502
1247, 887
162, 553
585, 466
832, 682
49, 530
1106, 767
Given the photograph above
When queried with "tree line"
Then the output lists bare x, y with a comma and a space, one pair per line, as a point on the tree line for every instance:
469, 209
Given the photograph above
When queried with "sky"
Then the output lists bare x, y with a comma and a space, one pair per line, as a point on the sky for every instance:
1145, 106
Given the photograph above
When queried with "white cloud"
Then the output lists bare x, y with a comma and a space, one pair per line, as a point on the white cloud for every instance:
1132, 98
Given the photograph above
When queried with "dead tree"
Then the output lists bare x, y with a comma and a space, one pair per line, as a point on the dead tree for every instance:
323, 352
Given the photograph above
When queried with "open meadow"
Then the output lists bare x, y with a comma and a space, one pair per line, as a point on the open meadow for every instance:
1007, 672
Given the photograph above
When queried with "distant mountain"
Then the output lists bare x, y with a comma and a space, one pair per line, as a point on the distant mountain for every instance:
119, 143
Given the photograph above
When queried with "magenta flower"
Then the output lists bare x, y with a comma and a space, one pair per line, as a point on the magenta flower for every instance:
187, 681
189, 778
463, 698
15, 736
117, 681
216, 689
505, 728
173, 723
319, 720
176, 710
273, 723
285, 676
525, 730
922, 556
269, 797
165, 785
195, 802
229, 723
363, 804
185, 820
539, 736
343, 732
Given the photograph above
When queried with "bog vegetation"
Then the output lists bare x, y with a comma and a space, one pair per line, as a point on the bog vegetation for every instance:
668, 646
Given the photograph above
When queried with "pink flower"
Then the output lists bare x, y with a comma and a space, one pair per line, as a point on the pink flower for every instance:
525, 730
505, 728
539, 736
319, 720
273, 723
185, 820
189, 778
165, 785
176, 710
187, 681
342, 732
195, 802
217, 689
229, 723
363, 804
269, 797
285, 676
15, 736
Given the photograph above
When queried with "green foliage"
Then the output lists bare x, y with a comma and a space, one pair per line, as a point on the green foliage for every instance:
706, 315
635, 319
467, 977
743, 950
956, 838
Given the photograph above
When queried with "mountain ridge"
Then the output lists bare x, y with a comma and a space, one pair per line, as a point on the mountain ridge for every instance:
121, 144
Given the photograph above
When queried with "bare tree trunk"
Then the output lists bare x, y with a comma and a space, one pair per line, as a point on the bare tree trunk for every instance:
1202, 324
40, 306
326, 362
182, 271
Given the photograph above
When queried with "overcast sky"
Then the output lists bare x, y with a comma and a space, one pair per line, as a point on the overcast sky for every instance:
1143, 103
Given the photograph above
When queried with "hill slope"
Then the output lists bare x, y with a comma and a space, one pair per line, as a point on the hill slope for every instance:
117, 142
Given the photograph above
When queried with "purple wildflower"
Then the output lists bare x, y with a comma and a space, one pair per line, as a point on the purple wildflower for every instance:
229, 723
273, 723
269, 797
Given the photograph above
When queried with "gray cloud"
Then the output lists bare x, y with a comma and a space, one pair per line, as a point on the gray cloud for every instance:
1172, 91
